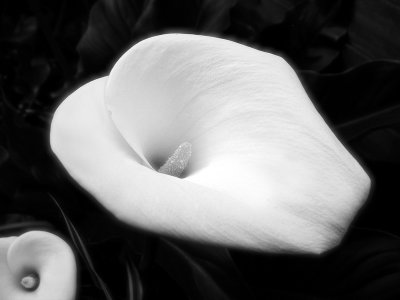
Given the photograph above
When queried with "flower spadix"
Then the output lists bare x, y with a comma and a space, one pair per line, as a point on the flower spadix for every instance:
265, 171
37, 265
177, 163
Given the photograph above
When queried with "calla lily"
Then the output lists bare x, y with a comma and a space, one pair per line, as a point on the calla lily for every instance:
36, 266
265, 172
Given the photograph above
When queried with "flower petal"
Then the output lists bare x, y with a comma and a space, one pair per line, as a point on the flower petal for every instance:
41, 253
7, 281
266, 172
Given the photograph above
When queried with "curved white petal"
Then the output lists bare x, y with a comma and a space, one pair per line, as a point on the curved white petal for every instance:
41, 253
266, 171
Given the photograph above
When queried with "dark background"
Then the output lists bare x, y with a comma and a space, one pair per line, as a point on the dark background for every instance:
347, 54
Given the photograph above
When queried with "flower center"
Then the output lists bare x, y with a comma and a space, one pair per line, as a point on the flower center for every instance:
30, 282
177, 162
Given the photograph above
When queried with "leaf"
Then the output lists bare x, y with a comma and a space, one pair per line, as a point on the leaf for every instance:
203, 272
308, 33
365, 266
383, 118
26, 144
316, 30
134, 284
116, 24
4, 155
372, 29
355, 92
362, 103
81, 248
250, 18
23, 32
381, 145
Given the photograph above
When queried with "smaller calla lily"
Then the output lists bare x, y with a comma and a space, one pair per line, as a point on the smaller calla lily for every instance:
37, 265
253, 163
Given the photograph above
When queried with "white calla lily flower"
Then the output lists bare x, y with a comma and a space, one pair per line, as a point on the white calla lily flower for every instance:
37, 265
263, 170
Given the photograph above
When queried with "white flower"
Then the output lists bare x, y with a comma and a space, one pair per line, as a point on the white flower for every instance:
37, 265
266, 172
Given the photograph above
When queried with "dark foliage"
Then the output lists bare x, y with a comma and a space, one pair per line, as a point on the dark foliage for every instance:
347, 54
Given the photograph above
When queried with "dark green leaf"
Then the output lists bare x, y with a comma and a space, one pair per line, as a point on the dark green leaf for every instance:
373, 30
81, 248
134, 284
203, 272
363, 105
114, 25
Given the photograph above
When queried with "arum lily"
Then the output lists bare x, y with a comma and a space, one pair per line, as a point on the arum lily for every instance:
36, 266
262, 170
